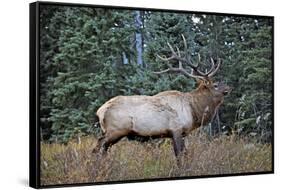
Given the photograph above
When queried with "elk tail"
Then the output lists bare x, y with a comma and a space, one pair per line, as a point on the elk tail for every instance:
102, 112
101, 115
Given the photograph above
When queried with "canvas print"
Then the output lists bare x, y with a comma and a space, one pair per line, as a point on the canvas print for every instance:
144, 94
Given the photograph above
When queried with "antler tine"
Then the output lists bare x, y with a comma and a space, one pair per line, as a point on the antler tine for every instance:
199, 60
184, 44
216, 69
172, 49
187, 60
179, 54
174, 55
212, 68
165, 59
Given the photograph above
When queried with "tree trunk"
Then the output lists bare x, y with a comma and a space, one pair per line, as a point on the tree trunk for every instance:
139, 48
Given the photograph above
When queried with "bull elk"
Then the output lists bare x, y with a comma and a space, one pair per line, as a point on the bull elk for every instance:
171, 114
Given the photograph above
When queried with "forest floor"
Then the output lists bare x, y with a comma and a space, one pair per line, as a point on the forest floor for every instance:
133, 160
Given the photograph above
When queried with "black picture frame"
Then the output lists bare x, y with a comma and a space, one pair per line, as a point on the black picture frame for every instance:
34, 98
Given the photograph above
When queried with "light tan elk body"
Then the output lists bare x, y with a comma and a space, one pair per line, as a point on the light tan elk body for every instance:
170, 114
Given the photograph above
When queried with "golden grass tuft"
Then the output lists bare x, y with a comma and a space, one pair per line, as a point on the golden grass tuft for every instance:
131, 160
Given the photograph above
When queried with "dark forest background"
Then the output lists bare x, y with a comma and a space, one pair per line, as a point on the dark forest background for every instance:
89, 55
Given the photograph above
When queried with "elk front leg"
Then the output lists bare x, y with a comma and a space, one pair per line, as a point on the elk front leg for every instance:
178, 142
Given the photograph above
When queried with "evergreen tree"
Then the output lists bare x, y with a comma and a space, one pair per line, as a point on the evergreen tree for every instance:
163, 28
254, 112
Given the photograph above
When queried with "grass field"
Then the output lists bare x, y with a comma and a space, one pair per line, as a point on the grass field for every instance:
131, 160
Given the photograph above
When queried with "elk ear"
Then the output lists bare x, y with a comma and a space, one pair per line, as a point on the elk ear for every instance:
199, 82
211, 82
202, 84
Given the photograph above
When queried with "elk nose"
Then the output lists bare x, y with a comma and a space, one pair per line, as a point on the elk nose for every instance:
227, 91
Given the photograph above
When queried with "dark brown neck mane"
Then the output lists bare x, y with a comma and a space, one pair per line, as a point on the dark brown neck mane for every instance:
204, 105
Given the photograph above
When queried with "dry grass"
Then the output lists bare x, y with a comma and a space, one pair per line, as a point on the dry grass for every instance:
131, 160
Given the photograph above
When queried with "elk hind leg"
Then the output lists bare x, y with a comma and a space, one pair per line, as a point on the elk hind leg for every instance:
99, 144
108, 140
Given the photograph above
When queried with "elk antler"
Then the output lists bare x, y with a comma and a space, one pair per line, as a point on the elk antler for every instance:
195, 72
